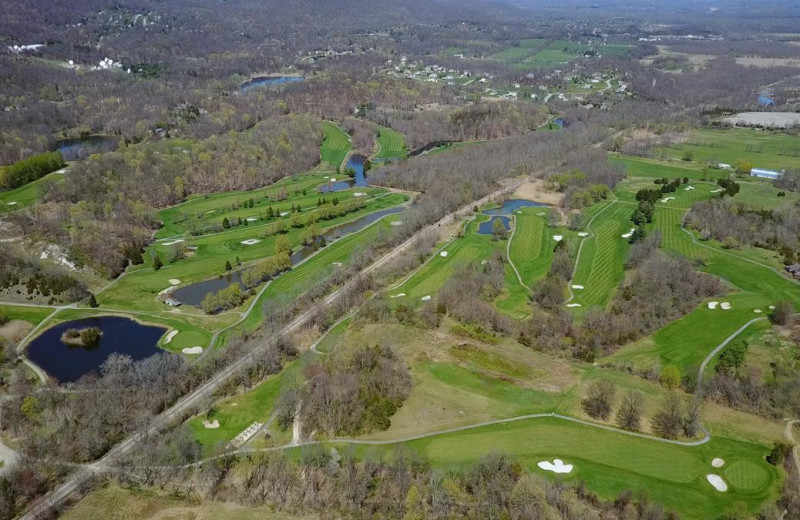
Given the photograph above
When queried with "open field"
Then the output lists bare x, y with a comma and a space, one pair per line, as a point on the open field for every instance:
335, 146
28, 194
392, 143
765, 149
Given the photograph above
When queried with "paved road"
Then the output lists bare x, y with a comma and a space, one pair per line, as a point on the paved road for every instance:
187, 404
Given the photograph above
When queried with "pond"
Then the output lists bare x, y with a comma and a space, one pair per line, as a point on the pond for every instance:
193, 294
267, 81
83, 147
512, 205
485, 228
68, 363
356, 163
765, 99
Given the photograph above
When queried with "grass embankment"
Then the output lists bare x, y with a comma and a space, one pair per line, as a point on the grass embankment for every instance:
335, 146
28, 194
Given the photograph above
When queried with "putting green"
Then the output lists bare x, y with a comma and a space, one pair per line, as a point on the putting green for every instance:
746, 476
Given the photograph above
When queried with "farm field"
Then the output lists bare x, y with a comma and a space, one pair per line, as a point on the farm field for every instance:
335, 146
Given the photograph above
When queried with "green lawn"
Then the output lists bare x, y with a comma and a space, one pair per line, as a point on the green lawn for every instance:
766, 149
28, 194
335, 145
532, 245
393, 144
32, 315
655, 169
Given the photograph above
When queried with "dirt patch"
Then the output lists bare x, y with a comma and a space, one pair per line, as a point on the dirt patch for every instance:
15, 330
536, 191
765, 63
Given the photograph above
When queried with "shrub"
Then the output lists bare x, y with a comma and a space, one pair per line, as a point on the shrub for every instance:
670, 377
90, 336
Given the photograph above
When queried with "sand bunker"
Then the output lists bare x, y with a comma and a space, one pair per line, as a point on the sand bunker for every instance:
178, 241
213, 425
629, 233
717, 482
757, 311
718, 463
558, 238
667, 199
583, 234
12, 203
399, 295
170, 336
284, 213
772, 307
571, 305
716, 191
174, 281
426, 298
250, 241
192, 350
396, 223
557, 466
688, 188
541, 214
443, 254
333, 179
712, 305
251, 219
725, 305
577, 287
337, 264
359, 194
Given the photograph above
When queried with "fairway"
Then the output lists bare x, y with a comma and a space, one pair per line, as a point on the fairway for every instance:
335, 145
392, 144
531, 246
27, 194
601, 265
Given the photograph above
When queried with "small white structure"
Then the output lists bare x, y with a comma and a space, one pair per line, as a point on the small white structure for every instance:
765, 174
247, 434
443, 254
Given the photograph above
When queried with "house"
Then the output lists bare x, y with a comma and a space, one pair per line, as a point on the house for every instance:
765, 174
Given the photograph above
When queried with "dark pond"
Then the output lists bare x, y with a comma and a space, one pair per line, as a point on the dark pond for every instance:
193, 294
83, 147
68, 363
266, 81
485, 228
512, 205
356, 162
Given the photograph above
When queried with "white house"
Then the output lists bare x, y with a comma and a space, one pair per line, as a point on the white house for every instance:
765, 174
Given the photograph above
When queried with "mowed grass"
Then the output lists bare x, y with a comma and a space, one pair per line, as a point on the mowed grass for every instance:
532, 246
335, 145
765, 149
655, 169
392, 143
32, 315
28, 194
602, 263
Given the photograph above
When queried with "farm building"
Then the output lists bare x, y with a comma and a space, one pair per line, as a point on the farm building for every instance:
766, 174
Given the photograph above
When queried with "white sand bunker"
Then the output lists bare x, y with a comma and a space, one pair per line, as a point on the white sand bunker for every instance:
170, 336
629, 233
484, 262
443, 254
396, 223
571, 305
251, 219
213, 425
717, 482
284, 213
333, 179
558, 238
725, 305
577, 287
712, 305
583, 234
399, 295
718, 463
174, 281
12, 203
557, 466
716, 191
359, 194
250, 241
772, 307
757, 311
178, 241
337, 264
192, 350
667, 199
689, 188
426, 298
541, 214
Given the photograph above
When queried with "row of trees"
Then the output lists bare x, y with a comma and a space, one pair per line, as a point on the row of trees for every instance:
29, 169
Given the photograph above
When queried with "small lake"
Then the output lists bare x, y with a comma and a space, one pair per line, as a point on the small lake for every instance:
512, 205
485, 228
765, 99
356, 162
83, 147
193, 294
68, 363
267, 81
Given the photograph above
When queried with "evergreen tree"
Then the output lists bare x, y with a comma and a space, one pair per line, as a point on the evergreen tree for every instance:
157, 263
